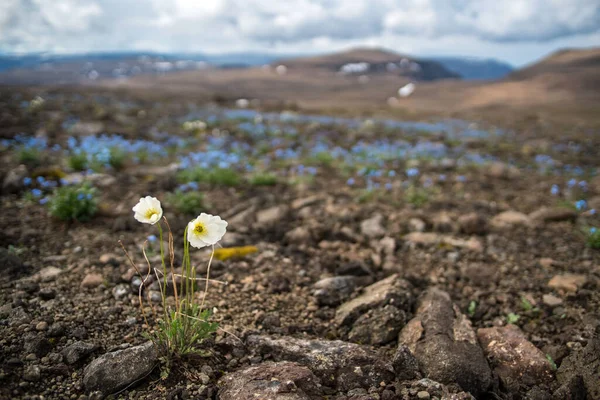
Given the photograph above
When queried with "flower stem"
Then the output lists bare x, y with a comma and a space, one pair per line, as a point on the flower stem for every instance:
207, 277
164, 268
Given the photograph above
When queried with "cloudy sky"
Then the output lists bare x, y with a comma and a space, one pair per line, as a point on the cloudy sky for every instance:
517, 31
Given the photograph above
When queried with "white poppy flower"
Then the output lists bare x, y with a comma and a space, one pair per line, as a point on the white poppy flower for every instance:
206, 230
148, 210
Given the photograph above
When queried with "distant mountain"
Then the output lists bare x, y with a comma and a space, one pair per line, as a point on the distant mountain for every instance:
369, 61
476, 68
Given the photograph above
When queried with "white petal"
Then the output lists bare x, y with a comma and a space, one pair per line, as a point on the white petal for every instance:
196, 242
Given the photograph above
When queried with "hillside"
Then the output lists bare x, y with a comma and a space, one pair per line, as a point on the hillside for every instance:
570, 70
471, 68
371, 61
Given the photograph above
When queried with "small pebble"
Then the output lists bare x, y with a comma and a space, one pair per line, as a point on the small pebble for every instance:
423, 395
41, 326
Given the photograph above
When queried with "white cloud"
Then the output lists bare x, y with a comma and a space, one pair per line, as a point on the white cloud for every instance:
226, 25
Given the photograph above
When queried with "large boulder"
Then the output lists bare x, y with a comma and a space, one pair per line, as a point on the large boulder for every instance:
114, 371
442, 340
341, 365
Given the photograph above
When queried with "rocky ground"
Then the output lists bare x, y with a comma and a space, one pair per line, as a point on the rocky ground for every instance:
444, 261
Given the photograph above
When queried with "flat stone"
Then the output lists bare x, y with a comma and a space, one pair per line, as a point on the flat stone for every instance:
444, 343
306, 201
298, 235
341, 365
503, 171
48, 274
567, 282
553, 214
423, 238
333, 290
273, 381
393, 290
41, 326
551, 300
378, 326
109, 258
77, 351
509, 219
111, 372
92, 280
372, 228
514, 358
430, 239
271, 215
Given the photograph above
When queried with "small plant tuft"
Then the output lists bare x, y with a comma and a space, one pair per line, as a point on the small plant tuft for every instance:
593, 238
217, 176
78, 161
70, 203
186, 203
263, 179
416, 196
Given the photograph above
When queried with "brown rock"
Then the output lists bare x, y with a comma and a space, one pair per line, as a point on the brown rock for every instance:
298, 235
306, 201
515, 359
271, 215
442, 340
392, 290
421, 238
372, 227
567, 282
509, 219
551, 301
554, 214
92, 280
503, 171
472, 224
273, 381
442, 223
338, 364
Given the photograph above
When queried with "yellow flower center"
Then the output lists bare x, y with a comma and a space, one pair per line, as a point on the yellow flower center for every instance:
199, 229
150, 213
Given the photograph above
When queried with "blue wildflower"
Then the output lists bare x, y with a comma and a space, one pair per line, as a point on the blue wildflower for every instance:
152, 238
27, 181
412, 172
572, 182
554, 190
593, 230
581, 204
80, 196
388, 186
36, 192
88, 196
43, 201
350, 181
41, 180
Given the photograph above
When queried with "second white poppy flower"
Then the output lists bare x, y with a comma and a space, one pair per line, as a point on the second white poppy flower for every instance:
206, 230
